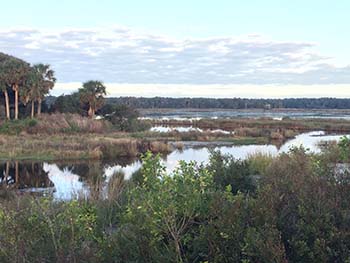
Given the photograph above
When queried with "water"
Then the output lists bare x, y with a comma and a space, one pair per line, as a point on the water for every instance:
67, 180
164, 129
185, 114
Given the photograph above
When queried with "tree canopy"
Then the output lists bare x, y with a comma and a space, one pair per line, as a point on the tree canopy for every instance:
29, 83
92, 93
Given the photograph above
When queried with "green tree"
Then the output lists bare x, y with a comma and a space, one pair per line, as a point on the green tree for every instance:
43, 81
27, 90
92, 93
3, 88
14, 73
166, 207
123, 118
230, 172
3, 84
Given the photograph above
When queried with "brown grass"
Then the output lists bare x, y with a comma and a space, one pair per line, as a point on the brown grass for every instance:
67, 123
75, 146
331, 125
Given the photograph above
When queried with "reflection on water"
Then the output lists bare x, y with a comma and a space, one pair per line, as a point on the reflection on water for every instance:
201, 155
164, 129
310, 140
19, 175
90, 178
178, 129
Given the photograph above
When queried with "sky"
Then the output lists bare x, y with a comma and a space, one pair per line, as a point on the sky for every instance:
186, 48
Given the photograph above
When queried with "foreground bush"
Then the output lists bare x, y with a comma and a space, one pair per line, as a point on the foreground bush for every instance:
292, 208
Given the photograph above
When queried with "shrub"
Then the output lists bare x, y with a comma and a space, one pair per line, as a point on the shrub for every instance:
344, 147
229, 172
15, 127
298, 211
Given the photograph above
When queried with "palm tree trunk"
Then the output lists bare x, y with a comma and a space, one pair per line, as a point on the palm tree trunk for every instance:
7, 104
17, 173
7, 171
39, 107
15, 88
90, 112
32, 113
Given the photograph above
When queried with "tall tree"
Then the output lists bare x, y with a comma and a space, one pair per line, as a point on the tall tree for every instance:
3, 85
92, 93
3, 88
30, 89
14, 73
44, 81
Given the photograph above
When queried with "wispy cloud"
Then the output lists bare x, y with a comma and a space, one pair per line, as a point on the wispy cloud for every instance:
121, 55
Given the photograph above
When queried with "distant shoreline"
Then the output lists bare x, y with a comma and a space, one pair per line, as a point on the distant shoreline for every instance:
243, 110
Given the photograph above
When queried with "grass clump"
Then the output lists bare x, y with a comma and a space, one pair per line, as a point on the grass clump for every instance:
15, 127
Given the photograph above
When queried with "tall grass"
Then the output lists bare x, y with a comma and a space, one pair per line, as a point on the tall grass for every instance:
68, 123
75, 146
300, 125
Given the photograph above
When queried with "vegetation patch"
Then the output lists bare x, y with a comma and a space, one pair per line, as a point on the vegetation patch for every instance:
289, 208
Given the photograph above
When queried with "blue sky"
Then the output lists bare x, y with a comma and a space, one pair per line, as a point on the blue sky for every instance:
292, 44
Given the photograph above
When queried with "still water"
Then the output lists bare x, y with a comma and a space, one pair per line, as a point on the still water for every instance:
67, 180
185, 114
164, 129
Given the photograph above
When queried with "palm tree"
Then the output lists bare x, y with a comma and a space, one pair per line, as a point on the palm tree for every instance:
3, 88
92, 93
44, 81
14, 73
29, 90
3, 85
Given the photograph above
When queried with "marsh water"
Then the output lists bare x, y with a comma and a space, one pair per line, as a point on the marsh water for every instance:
195, 114
67, 180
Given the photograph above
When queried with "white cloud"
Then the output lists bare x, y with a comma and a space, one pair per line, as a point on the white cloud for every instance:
121, 55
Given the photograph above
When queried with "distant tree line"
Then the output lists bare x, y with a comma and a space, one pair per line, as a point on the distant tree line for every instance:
233, 103
72, 103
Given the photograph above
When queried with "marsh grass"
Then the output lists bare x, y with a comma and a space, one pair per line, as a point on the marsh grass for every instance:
259, 162
62, 147
55, 124
334, 125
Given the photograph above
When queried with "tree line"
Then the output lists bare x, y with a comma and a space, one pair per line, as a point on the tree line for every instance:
71, 103
232, 103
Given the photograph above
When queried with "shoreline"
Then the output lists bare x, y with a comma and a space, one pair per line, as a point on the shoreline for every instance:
274, 110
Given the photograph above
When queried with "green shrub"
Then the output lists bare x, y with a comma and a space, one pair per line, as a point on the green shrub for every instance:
230, 172
15, 127
344, 146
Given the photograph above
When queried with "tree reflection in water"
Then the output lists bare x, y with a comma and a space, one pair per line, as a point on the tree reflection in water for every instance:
63, 180
24, 175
